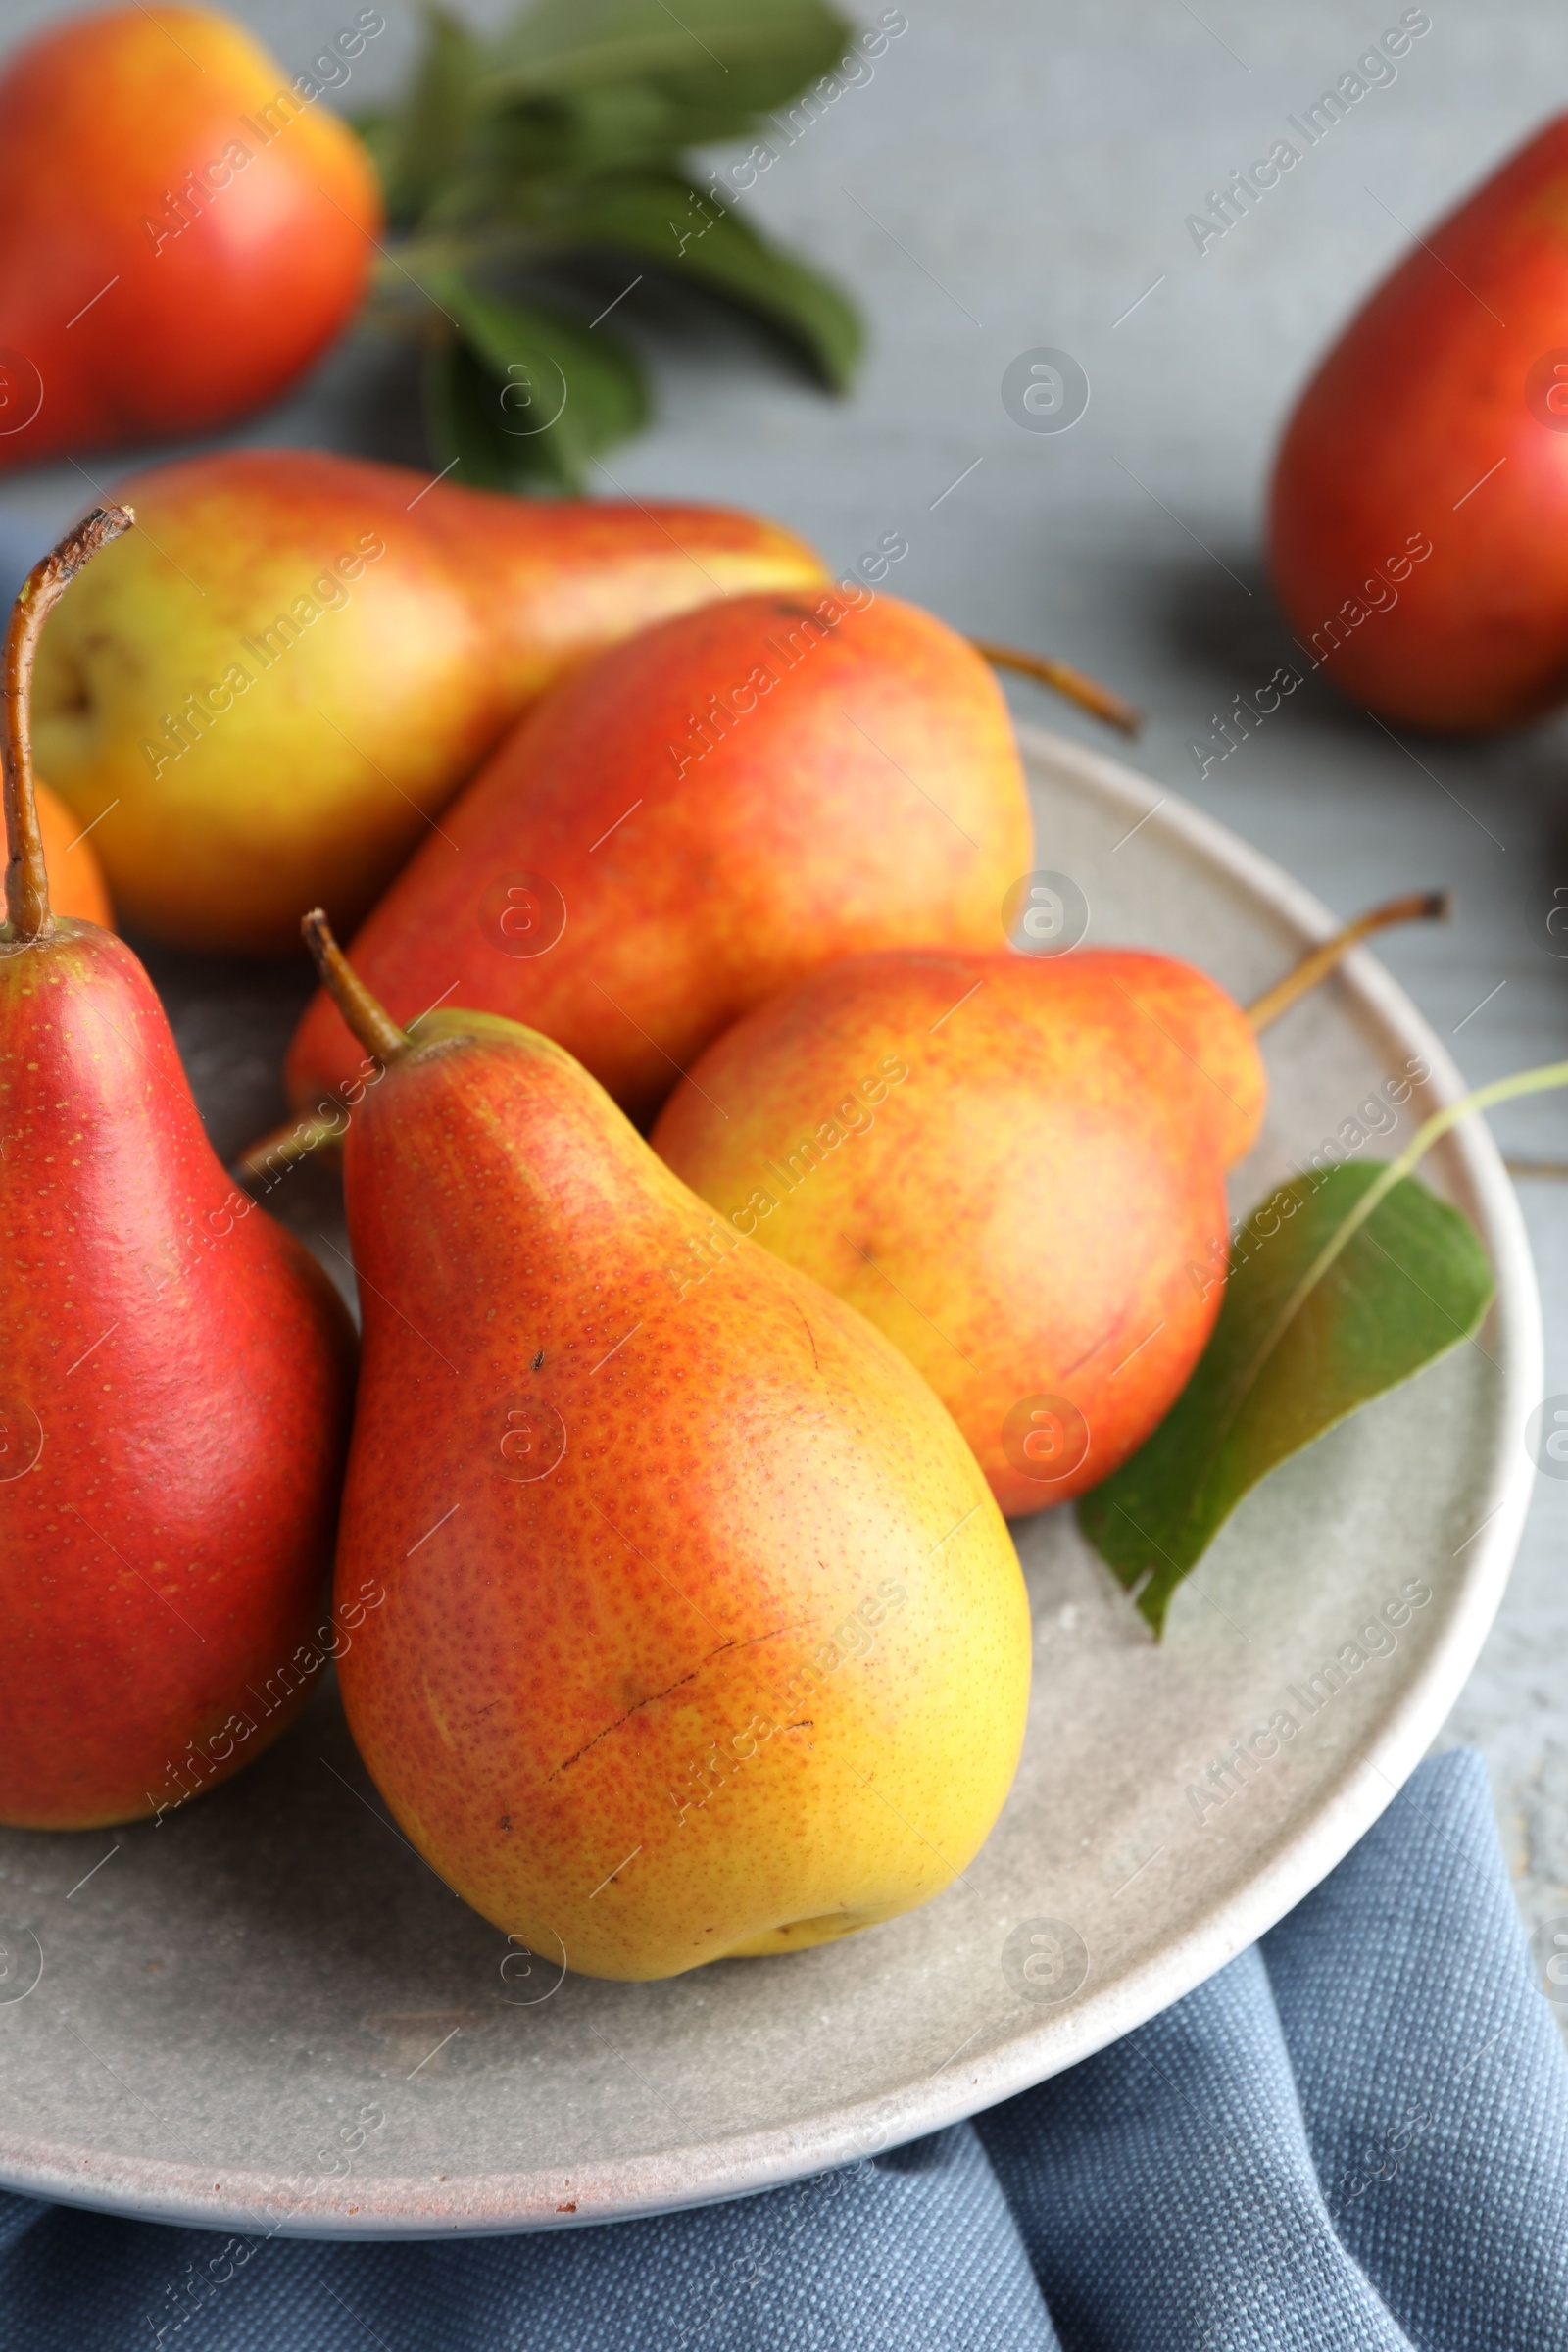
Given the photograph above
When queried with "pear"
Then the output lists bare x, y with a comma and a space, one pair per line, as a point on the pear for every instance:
1418, 517
1015, 1166
76, 884
264, 695
702, 1634
176, 1382
697, 819
186, 226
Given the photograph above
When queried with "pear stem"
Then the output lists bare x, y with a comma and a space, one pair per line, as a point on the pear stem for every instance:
1089, 695
1415, 906
269, 1158
26, 875
368, 1017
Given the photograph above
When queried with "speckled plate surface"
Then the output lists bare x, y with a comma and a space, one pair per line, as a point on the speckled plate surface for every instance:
266, 2013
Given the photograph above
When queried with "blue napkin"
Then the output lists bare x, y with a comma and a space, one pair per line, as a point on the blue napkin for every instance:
1355, 2138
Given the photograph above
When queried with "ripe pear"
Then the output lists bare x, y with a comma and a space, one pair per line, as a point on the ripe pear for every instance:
1418, 532
697, 819
176, 1382
703, 1636
76, 884
266, 693
186, 226
1012, 1165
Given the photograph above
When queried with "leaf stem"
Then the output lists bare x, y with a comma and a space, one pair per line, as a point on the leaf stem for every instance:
403, 269
1538, 1081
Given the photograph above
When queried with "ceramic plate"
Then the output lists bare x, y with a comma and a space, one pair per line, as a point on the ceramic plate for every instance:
266, 2013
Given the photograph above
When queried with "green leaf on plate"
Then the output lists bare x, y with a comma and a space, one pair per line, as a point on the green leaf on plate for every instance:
1332, 1297
521, 397
686, 232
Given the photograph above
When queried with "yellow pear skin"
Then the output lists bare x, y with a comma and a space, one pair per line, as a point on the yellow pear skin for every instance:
269, 691
704, 1636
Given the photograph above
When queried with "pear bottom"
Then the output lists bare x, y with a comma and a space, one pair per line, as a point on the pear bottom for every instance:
703, 1633
801, 1934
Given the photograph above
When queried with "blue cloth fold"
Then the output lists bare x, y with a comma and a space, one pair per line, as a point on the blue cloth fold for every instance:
1354, 2138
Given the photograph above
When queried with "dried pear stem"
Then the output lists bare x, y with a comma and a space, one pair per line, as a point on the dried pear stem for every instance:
26, 875
272, 1154
1098, 700
368, 1017
1415, 906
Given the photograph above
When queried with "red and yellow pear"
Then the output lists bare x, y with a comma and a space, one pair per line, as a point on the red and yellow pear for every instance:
703, 1636
695, 820
1418, 529
177, 1373
185, 226
76, 885
266, 695
1014, 1165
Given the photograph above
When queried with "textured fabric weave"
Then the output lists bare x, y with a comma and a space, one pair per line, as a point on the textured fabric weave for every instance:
1355, 2138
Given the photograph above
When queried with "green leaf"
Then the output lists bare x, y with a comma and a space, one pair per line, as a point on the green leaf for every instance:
1333, 1296
521, 397
1282, 1364
762, 49
418, 146
687, 233
625, 126
565, 137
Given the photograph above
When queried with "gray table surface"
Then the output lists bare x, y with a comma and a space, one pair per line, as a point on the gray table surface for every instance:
1016, 175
